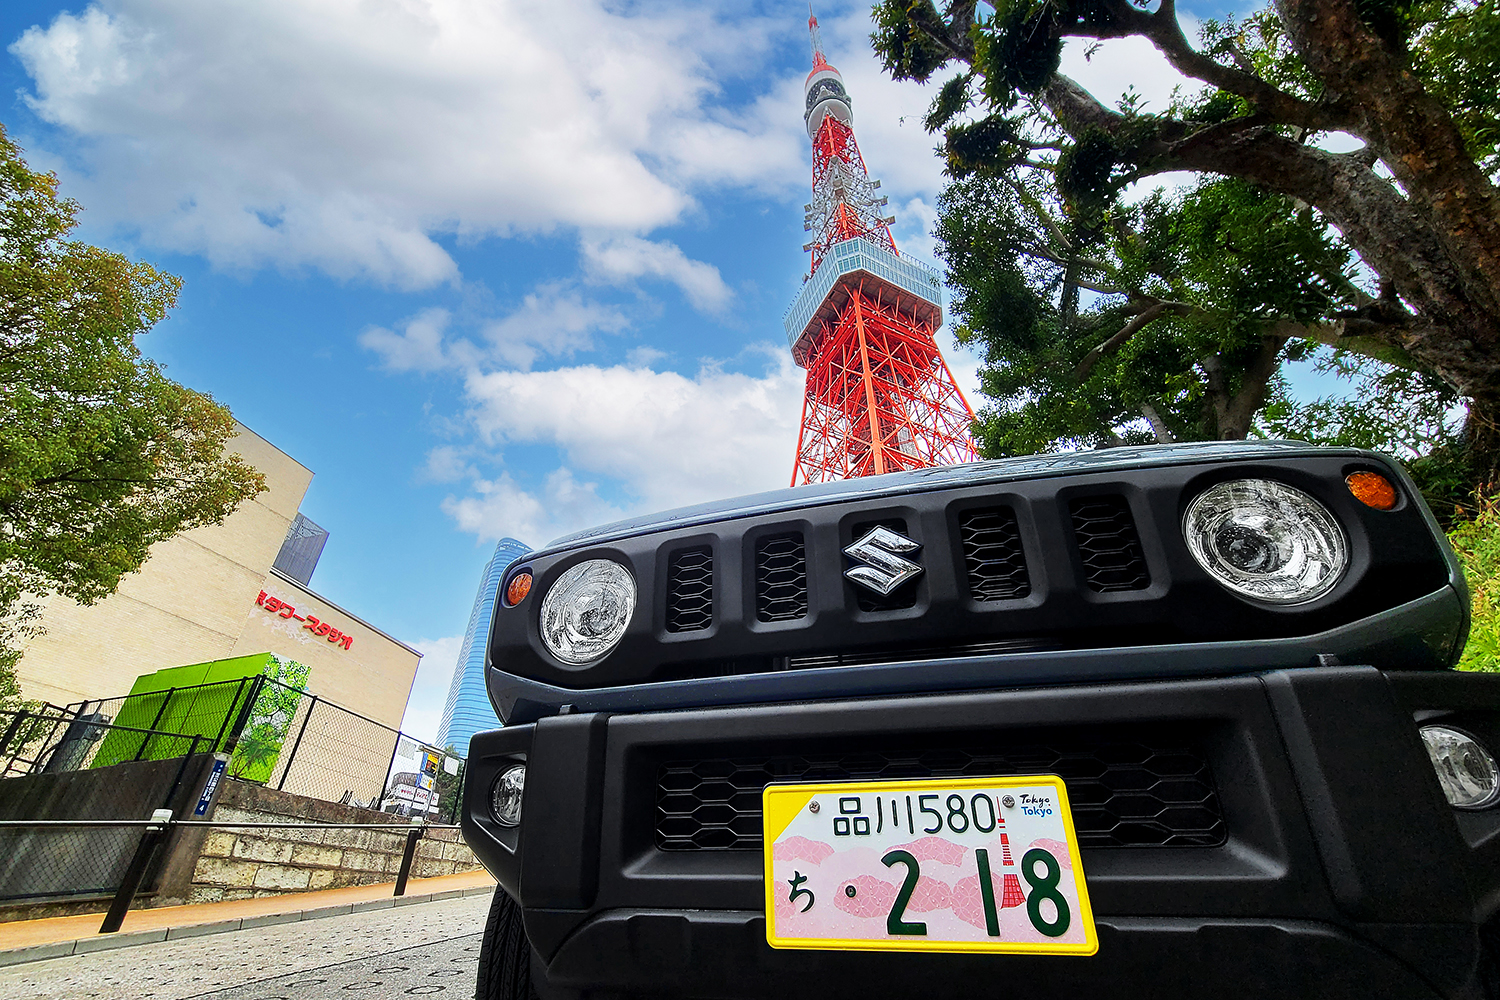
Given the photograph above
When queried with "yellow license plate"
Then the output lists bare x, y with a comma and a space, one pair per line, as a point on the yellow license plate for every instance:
938, 864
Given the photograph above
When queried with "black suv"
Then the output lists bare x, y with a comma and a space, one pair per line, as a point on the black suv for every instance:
783, 745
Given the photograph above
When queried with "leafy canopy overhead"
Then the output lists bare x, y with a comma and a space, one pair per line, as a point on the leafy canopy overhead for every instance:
1168, 321
101, 455
1415, 208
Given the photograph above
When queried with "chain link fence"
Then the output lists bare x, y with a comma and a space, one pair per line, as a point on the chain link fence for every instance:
50, 739
76, 781
285, 738
50, 763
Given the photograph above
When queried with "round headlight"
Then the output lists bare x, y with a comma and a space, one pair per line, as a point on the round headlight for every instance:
585, 612
1464, 768
505, 795
1266, 540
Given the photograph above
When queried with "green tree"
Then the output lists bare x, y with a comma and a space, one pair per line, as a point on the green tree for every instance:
1415, 81
1477, 543
450, 788
101, 455
1185, 326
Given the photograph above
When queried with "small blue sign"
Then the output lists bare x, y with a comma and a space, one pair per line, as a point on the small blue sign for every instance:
209, 787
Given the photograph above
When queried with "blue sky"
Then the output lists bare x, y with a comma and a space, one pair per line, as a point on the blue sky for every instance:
486, 267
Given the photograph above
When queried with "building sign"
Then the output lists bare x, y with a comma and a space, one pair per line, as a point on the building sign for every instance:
210, 786
277, 606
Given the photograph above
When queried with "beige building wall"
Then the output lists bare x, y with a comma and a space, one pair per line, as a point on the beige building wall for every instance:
339, 752
184, 606
195, 600
373, 676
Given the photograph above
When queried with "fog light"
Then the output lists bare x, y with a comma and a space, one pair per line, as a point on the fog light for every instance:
505, 796
1464, 768
1266, 540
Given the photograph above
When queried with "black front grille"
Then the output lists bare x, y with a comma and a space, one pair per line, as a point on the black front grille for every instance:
781, 578
690, 589
1108, 545
1124, 793
992, 554
904, 596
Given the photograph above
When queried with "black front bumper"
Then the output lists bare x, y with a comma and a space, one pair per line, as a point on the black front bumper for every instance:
1339, 870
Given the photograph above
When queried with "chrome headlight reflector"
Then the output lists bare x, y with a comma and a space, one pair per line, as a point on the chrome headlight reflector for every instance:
506, 794
1464, 767
1266, 540
586, 611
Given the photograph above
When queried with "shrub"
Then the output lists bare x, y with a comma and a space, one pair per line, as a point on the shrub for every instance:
1477, 542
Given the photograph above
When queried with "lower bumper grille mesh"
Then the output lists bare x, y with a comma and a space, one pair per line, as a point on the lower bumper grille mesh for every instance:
1124, 793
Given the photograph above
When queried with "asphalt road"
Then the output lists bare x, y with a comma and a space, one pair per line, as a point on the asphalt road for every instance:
431, 949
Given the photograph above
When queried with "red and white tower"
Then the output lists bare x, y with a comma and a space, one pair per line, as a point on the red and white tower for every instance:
880, 397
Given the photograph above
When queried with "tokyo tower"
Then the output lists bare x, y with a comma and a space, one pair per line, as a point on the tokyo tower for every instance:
880, 397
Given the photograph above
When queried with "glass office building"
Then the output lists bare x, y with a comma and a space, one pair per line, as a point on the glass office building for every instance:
467, 710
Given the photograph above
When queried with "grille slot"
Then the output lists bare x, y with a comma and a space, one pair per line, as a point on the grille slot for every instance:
690, 589
781, 578
1108, 545
992, 554
904, 596
1124, 793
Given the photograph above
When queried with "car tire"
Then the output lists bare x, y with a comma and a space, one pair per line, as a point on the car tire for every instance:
504, 954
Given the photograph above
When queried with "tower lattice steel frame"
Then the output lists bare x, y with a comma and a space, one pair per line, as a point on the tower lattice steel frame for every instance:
880, 397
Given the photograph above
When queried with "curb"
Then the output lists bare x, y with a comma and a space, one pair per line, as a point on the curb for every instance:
129, 939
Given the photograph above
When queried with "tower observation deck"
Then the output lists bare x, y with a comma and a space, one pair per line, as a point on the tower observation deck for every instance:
880, 397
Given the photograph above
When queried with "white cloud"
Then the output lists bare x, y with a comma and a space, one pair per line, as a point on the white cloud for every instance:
1122, 64
500, 508
429, 691
665, 438
445, 464
552, 320
625, 258
344, 134
644, 356
419, 347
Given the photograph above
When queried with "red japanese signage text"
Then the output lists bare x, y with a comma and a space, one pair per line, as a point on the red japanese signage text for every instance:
278, 607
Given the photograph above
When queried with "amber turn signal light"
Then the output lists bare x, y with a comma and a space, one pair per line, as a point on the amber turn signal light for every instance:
520, 586
1372, 489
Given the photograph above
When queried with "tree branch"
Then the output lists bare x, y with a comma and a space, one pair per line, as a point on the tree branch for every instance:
1101, 288
1158, 426
1150, 309
1236, 412
1165, 32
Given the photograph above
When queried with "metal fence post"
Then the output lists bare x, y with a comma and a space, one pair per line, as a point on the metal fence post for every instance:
297, 743
412, 836
228, 714
156, 721
10, 732
244, 717
386, 781
161, 819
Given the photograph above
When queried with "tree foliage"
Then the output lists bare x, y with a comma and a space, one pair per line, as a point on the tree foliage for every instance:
1476, 541
1181, 335
1416, 207
101, 455
450, 788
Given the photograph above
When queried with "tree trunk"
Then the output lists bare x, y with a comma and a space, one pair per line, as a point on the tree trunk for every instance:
1440, 274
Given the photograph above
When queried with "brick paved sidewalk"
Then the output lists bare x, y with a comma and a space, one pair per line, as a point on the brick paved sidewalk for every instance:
54, 937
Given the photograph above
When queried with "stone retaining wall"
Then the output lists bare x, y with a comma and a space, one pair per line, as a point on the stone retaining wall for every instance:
240, 864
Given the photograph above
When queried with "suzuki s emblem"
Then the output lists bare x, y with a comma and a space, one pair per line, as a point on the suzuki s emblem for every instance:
881, 555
